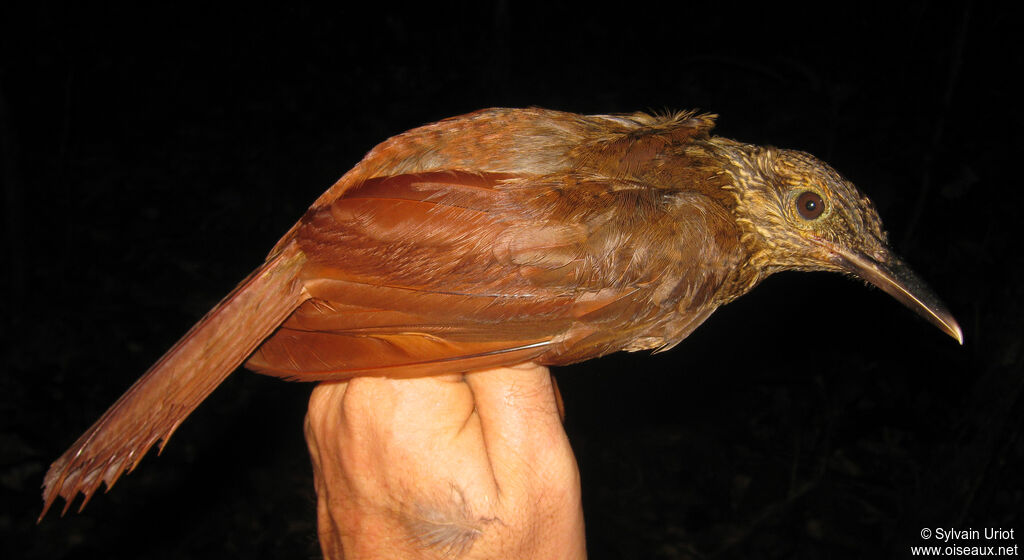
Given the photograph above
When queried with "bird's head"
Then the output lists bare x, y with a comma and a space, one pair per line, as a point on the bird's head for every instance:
797, 213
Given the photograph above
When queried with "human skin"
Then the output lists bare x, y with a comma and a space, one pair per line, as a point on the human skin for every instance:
455, 466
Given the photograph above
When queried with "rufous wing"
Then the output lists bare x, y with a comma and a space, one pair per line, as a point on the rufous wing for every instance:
440, 272
406, 278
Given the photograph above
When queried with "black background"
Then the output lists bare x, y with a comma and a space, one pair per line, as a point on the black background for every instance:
151, 157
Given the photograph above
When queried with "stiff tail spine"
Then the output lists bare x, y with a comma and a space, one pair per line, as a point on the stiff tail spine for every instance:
172, 388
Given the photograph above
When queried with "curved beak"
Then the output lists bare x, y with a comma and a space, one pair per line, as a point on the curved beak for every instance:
897, 280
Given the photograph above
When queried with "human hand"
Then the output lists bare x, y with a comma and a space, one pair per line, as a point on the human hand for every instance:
456, 466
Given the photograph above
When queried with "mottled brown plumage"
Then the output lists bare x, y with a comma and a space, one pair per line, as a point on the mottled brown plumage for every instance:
508, 236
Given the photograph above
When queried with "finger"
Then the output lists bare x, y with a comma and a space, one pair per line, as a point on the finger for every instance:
329, 480
323, 411
521, 424
407, 410
382, 433
558, 399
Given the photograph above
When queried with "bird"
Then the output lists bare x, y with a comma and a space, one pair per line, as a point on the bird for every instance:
508, 236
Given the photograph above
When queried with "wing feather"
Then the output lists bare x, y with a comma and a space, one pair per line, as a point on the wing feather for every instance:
433, 272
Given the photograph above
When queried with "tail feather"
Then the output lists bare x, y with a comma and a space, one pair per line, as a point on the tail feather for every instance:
154, 407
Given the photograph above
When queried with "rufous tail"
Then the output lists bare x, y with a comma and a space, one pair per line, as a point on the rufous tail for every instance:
158, 402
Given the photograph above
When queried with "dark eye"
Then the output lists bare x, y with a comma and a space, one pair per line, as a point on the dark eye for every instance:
809, 205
